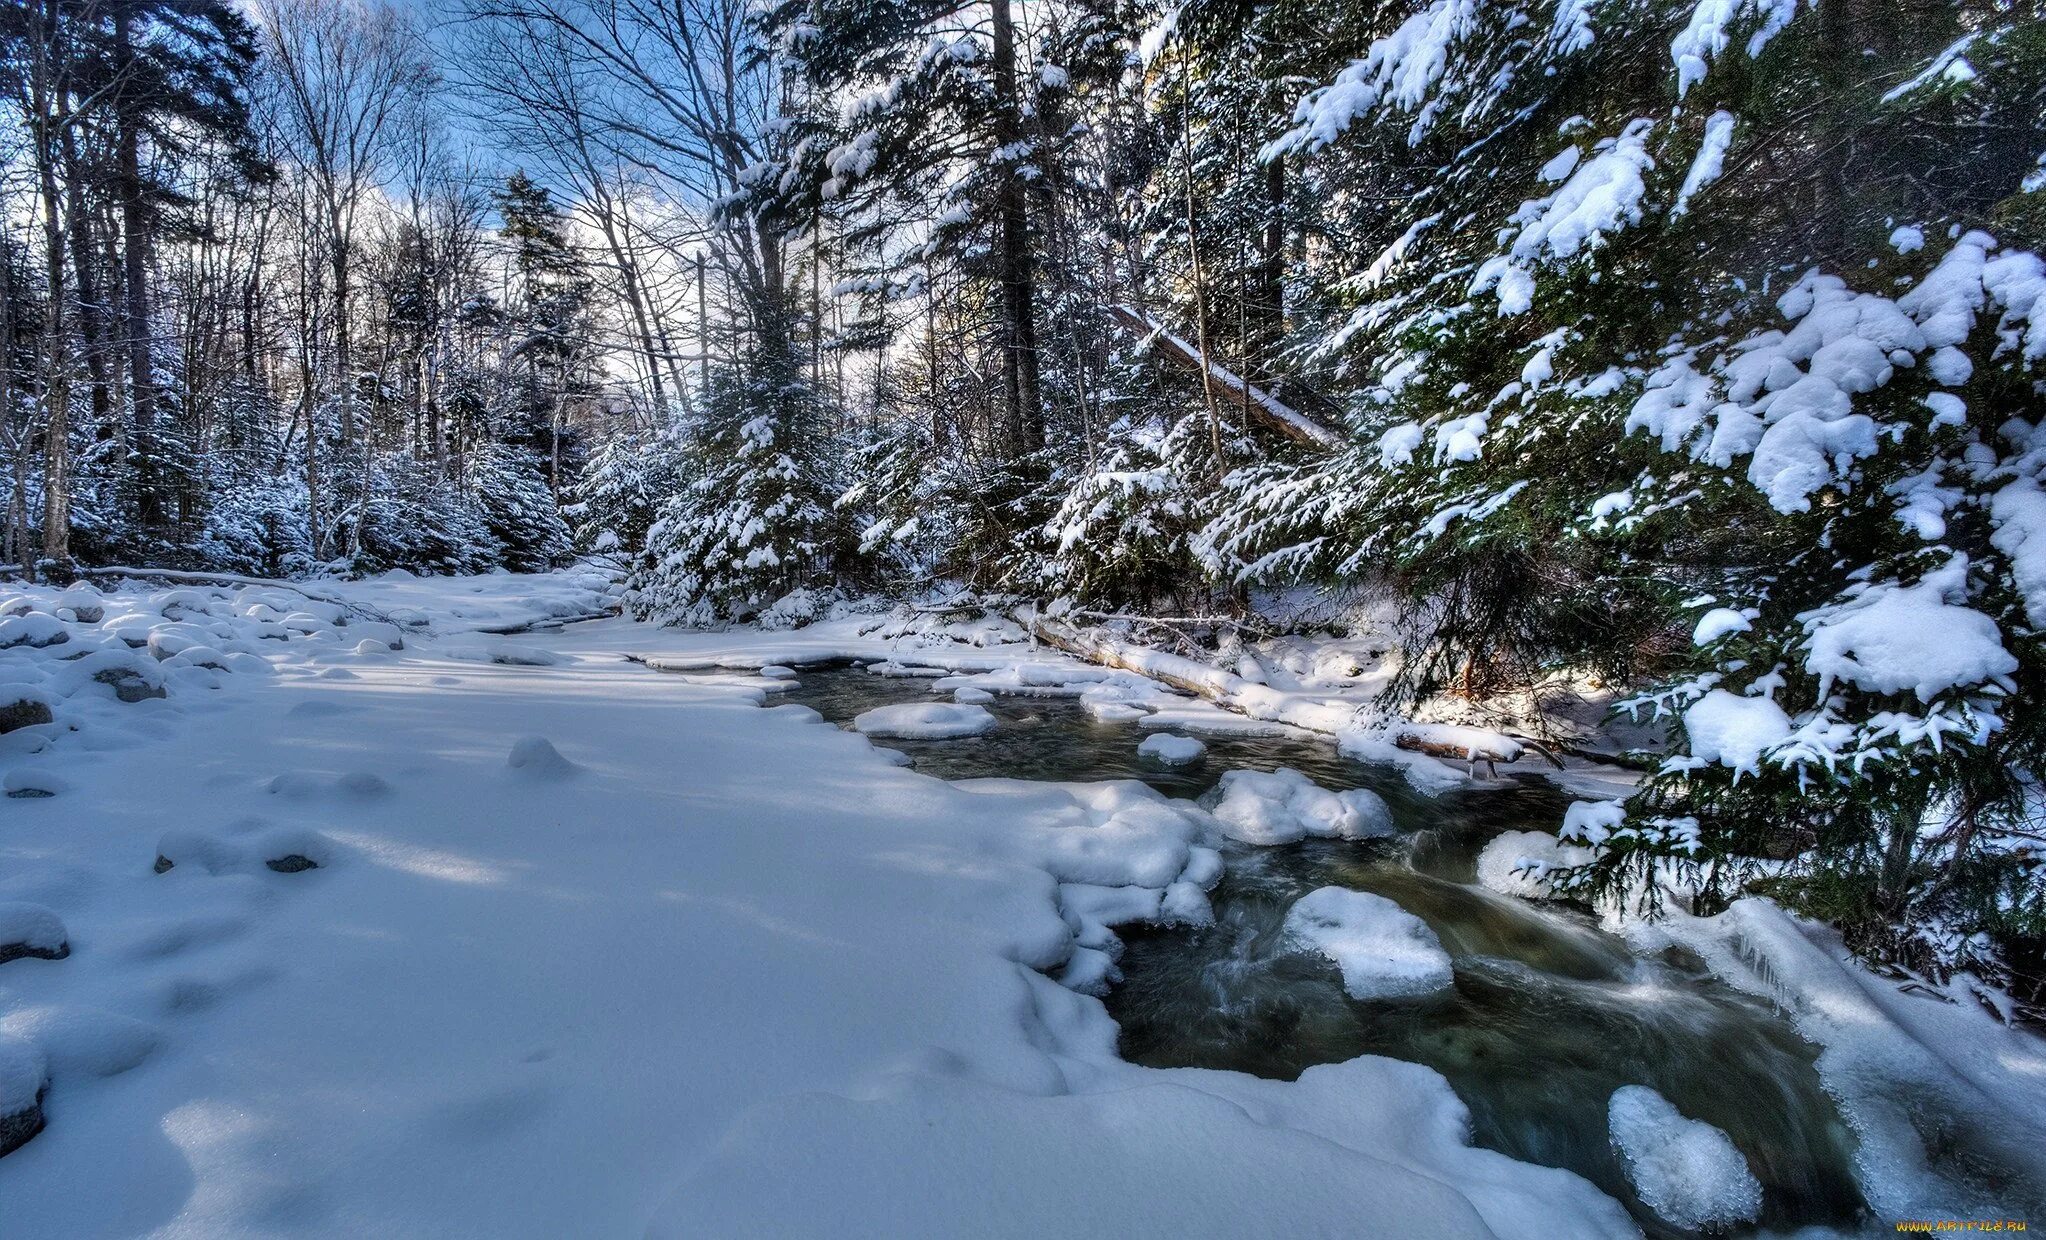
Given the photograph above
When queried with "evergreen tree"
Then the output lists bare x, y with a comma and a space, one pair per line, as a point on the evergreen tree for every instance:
1693, 339
752, 523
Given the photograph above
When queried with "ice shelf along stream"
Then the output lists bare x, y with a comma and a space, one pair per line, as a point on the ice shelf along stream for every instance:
1548, 1015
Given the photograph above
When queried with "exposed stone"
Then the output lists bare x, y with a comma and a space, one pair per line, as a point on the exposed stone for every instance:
290, 863
16, 1129
127, 685
30, 951
23, 713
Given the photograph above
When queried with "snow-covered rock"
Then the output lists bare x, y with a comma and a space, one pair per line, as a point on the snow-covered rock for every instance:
1170, 749
925, 721
30, 930
24, 1074
1284, 805
1384, 951
1685, 1170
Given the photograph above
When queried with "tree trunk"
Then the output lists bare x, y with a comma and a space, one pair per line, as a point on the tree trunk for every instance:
91, 328
135, 299
1023, 405
50, 118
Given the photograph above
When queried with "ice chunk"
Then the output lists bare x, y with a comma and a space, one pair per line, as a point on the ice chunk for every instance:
1685, 1170
967, 695
925, 721
1283, 806
1168, 749
1384, 951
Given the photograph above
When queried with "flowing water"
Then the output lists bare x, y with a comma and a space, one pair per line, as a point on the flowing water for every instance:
1548, 1016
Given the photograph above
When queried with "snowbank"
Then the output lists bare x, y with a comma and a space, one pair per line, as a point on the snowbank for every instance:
1929, 1081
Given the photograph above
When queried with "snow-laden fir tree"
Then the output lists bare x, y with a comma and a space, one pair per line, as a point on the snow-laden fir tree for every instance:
752, 523
1711, 350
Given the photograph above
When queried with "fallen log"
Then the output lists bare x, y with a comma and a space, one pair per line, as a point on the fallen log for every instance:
546, 624
1226, 385
1254, 701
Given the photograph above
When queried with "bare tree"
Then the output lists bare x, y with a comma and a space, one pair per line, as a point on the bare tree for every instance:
346, 74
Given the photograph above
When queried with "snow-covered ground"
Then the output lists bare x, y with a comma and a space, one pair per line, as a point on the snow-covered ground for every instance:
712, 970
375, 923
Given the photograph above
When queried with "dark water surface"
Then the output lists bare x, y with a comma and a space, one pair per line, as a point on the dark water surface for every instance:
1548, 1016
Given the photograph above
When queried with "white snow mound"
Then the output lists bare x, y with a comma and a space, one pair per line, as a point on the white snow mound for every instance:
925, 721
1685, 1170
1384, 951
536, 756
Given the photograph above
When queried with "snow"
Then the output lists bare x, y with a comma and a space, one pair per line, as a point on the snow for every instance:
536, 757
1914, 1073
734, 944
30, 929
23, 1074
1710, 161
1603, 195
1397, 72
1685, 1170
1517, 863
1896, 639
1167, 749
1384, 951
2018, 511
1734, 730
1281, 806
1706, 35
926, 720
1718, 623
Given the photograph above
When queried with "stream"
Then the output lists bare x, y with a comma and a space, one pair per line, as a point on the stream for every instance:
1548, 1014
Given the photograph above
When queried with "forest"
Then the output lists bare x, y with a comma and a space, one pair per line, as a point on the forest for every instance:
1688, 349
